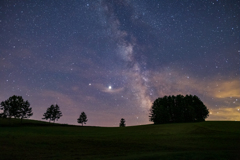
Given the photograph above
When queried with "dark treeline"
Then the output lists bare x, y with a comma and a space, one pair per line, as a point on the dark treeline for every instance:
167, 109
178, 109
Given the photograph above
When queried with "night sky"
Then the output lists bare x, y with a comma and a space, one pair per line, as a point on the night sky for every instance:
112, 59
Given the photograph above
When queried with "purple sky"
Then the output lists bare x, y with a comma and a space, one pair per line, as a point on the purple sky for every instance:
112, 59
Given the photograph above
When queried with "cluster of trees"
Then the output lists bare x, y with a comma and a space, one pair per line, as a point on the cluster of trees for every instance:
164, 110
53, 113
15, 107
178, 109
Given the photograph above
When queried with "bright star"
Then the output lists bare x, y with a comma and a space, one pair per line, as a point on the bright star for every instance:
110, 87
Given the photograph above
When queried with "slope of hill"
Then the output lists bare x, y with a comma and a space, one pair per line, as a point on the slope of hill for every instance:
41, 140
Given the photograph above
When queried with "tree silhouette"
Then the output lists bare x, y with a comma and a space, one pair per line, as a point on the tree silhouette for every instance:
178, 109
159, 113
25, 111
53, 113
16, 107
122, 123
200, 109
82, 118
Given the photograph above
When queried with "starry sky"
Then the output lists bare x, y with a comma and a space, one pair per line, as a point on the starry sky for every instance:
112, 59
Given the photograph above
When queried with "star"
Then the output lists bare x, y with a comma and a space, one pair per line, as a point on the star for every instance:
131, 53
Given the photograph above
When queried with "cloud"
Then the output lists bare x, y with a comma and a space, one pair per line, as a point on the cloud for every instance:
145, 87
229, 88
216, 95
175, 82
230, 114
12, 58
106, 89
172, 82
126, 52
136, 86
57, 97
117, 90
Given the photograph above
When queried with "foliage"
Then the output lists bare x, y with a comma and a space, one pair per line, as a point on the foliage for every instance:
122, 123
16, 107
26, 111
178, 109
82, 118
53, 113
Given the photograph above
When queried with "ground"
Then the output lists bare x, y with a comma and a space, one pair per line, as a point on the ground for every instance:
41, 140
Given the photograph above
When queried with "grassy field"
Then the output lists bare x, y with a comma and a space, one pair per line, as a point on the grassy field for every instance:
40, 140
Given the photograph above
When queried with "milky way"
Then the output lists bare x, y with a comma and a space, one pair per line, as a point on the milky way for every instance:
112, 59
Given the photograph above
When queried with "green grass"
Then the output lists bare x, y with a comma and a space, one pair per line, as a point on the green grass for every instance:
41, 140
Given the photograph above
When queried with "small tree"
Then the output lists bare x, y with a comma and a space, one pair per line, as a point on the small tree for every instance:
122, 123
82, 118
53, 113
15, 107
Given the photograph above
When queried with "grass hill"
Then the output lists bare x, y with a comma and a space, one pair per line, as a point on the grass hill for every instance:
43, 140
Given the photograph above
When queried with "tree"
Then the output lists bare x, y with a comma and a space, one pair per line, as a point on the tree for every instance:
178, 109
25, 111
53, 113
122, 123
82, 118
16, 107
201, 110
